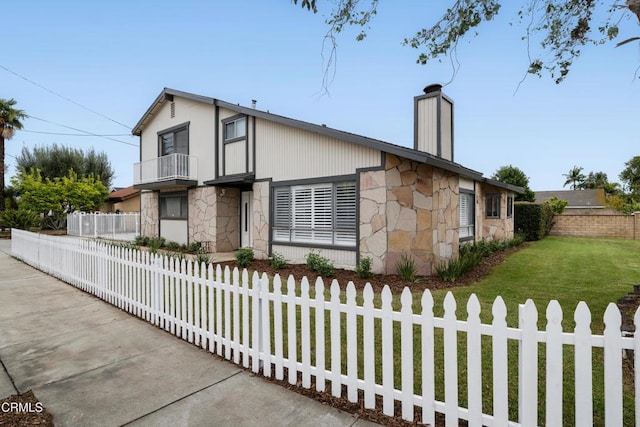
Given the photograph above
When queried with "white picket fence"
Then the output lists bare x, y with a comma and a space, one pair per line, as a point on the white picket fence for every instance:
122, 226
307, 337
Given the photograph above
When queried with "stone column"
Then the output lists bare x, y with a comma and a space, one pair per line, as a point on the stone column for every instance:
202, 215
149, 214
261, 219
373, 219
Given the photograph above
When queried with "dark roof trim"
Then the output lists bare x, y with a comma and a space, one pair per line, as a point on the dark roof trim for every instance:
233, 179
407, 153
495, 183
167, 183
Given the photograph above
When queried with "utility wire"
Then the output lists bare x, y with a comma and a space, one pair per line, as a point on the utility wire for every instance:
83, 131
72, 134
63, 97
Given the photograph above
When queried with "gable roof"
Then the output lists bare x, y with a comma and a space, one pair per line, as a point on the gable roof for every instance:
167, 94
593, 198
122, 194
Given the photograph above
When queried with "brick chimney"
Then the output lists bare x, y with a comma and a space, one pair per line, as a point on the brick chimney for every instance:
433, 123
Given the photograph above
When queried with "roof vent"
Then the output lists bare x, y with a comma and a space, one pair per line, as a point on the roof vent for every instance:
433, 88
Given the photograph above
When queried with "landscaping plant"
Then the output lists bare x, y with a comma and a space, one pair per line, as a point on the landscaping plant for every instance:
406, 268
244, 257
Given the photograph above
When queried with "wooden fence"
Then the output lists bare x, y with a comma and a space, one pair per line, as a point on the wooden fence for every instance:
356, 342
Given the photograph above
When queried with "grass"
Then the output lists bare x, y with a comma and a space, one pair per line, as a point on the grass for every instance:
570, 270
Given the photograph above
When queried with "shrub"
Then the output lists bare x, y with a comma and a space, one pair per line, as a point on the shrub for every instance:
320, 264
277, 260
203, 257
21, 219
406, 268
141, 240
533, 220
194, 247
451, 270
363, 269
172, 246
244, 257
156, 243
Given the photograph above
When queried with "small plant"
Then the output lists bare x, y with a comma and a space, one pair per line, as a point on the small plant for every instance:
194, 247
451, 270
172, 246
179, 256
21, 219
277, 260
156, 243
320, 264
203, 257
141, 241
406, 268
363, 269
244, 257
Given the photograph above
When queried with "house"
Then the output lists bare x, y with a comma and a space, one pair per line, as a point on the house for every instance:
234, 176
122, 200
579, 202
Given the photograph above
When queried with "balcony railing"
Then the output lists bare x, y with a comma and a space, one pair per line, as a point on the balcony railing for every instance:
171, 167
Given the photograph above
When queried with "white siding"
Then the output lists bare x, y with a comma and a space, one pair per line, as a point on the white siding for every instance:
447, 130
467, 184
174, 230
428, 125
297, 255
285, 153
235, 157
201, 133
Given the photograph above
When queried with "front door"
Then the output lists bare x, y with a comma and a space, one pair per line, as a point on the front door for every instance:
246, 219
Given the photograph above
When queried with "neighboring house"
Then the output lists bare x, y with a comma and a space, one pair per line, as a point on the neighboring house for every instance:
233, 176
122, 200
579, 202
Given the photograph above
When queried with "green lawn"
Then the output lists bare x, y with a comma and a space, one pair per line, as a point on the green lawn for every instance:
570, 270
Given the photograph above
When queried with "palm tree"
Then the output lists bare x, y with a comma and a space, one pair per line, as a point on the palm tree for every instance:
9, 122
575, 177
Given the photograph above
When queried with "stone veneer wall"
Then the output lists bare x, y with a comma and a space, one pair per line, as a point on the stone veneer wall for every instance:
373, 218
421, 212
492, 228
202, 215
261, 219
149, 214
227, 220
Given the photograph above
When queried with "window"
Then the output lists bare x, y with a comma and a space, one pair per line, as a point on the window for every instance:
467, 218
509, 206
173, 206
492, 205
174, 141
235, 129
322, 214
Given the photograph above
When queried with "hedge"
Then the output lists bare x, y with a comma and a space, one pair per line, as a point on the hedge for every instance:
534, 220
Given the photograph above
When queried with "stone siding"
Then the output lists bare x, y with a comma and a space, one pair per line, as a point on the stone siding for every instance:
605, 226
261, 220
149, 214
202, 215
492, 228
227, 220
373, 218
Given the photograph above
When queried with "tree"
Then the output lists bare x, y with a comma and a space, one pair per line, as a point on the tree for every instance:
515, 176
630, 176
10, 121
561, 27
53, 198
594, 180
57, 160
575, 177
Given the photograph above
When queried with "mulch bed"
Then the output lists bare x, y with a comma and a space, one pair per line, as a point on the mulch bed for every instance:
31, 412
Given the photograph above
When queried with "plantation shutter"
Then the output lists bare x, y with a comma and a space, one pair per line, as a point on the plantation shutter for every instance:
322, 223
282, 214
466, 215
345, 233
302, 221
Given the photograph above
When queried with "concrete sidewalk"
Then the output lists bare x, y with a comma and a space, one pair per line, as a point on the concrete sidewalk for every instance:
91, 364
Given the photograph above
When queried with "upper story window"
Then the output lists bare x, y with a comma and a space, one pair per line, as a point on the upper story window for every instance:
467, 217
321, 214
174, 140
509, 206
235, 129
492, 205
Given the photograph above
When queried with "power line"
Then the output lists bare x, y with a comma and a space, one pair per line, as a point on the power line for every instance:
83, 131
63, 97
72, 134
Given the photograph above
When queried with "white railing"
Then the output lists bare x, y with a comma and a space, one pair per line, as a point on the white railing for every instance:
302, 333
172, 166
122, 226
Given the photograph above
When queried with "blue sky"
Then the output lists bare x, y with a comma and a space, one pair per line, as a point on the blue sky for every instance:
115, 57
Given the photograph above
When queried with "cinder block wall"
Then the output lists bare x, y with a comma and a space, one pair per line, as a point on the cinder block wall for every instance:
608, 226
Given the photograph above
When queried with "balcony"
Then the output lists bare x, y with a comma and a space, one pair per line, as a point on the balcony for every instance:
171, 170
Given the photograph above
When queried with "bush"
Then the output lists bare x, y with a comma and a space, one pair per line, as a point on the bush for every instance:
406, 268
244, 257
141, 241
194, 247
277, 260
21, 219
363, 269
449, 271
202, 257
320, 264
172, 246
156, 243
533, 220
